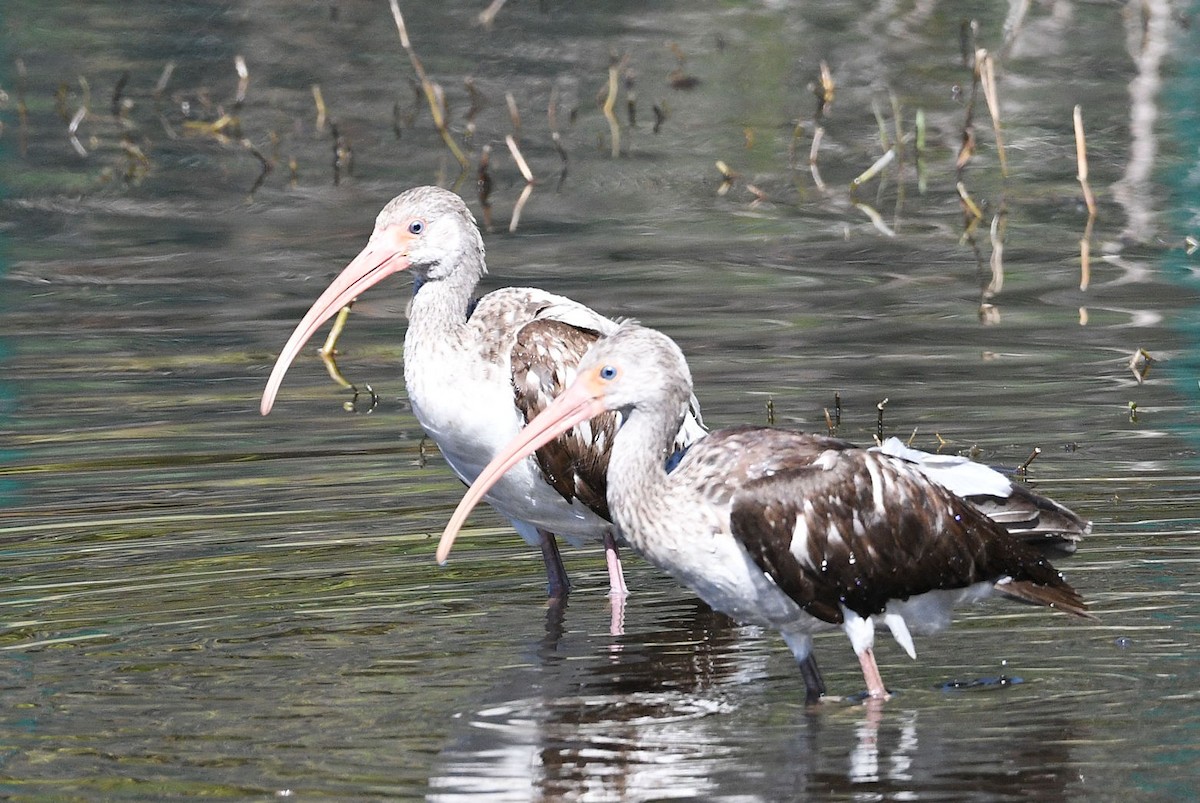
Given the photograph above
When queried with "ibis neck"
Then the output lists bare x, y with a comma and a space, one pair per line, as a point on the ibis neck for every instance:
638, 484
439, 306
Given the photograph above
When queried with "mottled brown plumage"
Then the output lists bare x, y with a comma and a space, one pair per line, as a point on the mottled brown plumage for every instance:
784, 529
543, 364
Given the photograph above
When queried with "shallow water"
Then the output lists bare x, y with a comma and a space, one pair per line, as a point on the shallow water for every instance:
196, 600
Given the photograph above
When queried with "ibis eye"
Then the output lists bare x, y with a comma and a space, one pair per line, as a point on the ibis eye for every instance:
608, 372
416, 227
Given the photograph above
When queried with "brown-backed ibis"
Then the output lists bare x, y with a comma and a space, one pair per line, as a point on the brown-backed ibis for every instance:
782, 529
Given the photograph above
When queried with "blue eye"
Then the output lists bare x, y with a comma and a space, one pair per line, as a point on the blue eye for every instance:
416, 227
608, 372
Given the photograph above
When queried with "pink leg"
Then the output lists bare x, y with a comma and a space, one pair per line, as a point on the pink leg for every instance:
870, 670
616, 575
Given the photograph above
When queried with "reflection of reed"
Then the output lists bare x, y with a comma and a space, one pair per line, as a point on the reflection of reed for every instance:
1147, 30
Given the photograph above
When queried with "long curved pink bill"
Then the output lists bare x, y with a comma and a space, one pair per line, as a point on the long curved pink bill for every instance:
576, 405
380, 259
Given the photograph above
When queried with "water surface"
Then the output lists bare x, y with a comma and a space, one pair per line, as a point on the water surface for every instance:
196, 600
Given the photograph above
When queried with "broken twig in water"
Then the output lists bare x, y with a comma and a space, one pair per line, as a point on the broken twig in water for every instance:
969, 205
518, 158
996, 235
513, 113
485, 186
610, 102
727, 177
343, 154
1085, 242
163, 79
120, 103
812, 157
520, 204
1023, 469
879, 423
986, 69
555, 137
432, 92
873, 170
832, 423
73, 131
319, 101
239, 63
919, 123
824, 90
488, 15
876, 218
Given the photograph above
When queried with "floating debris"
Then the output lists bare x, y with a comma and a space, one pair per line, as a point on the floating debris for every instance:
981, 683
1139, 365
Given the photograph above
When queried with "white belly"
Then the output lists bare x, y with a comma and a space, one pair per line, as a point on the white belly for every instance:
471, 422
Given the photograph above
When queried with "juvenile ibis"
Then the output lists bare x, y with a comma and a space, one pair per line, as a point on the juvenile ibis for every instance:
476, 371
777, 528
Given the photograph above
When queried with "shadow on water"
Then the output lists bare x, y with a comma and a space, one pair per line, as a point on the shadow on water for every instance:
195, 600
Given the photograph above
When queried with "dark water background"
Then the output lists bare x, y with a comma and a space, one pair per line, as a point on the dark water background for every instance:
195, 600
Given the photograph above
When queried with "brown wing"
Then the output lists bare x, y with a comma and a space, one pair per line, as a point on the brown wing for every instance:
543, 362
858, 529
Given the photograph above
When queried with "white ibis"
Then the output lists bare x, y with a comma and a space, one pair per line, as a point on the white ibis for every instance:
778, 528
476, 372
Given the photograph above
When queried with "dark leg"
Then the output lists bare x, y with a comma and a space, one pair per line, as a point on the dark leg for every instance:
814, 684
557, 584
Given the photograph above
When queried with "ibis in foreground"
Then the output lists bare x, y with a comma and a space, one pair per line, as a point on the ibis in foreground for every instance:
782, 529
